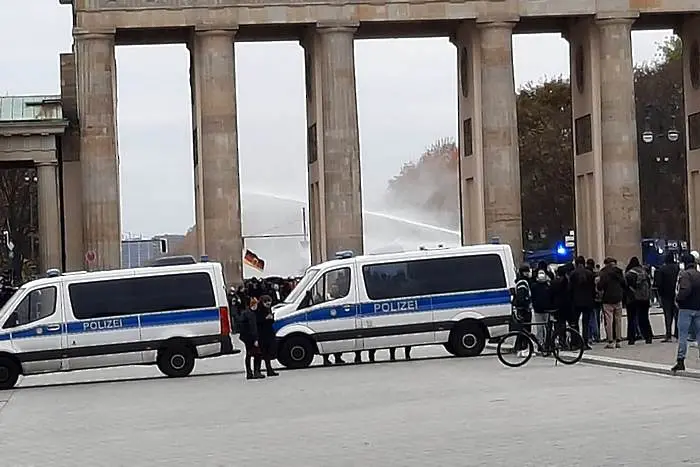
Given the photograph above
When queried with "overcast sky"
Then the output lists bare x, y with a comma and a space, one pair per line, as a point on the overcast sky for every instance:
406, 97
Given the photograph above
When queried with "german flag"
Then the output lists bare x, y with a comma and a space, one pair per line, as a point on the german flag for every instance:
252, 260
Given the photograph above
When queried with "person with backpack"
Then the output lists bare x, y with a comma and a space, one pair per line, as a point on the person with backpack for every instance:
638, 296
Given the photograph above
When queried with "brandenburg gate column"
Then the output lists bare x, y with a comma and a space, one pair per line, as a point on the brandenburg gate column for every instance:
219, 203
620, 170
499, 131
49, 216
471, 156
690, 33
96, 80
335, 188
584, 47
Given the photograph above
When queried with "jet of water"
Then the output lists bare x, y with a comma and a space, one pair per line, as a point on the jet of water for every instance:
382, 215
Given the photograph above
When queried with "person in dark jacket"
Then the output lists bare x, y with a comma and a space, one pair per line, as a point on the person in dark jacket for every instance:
543, 266
638, 296
541, 293
561, 297
688, 299
612, 286
665, 283
582, 284
249, 336
266, 332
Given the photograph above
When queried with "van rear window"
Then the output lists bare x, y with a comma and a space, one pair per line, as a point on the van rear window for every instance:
434, 276
139, 295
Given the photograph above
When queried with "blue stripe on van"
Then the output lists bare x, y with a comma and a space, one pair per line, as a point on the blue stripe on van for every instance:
132, 321
424, 304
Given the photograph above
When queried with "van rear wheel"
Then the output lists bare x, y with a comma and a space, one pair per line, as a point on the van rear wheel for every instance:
176, 361
9, 373
467, 340
296, 352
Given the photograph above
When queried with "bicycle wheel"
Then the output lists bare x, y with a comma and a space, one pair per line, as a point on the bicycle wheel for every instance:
510, 353
567, 346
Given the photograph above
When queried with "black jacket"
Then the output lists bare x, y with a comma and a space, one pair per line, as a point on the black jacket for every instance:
561, 294
665, 280
248, 326
582, 283
612, 284
688, 297
264, 324
541, 296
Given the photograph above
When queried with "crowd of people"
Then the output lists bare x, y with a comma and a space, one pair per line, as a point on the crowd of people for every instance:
585, 296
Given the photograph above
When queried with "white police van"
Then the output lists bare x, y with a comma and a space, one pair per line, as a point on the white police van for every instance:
167, 315
459, 297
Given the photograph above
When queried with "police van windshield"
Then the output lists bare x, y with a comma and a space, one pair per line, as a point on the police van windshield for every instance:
301, 286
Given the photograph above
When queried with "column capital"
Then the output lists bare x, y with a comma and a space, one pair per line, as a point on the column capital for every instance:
626, 18
80, 34
211, 30
324, 27
485, 24
52, 163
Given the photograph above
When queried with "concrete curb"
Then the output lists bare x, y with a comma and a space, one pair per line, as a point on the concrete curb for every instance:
646, 367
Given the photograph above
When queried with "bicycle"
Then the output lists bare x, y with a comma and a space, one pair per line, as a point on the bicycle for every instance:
565, 343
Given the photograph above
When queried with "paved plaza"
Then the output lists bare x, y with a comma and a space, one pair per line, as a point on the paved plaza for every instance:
433, 411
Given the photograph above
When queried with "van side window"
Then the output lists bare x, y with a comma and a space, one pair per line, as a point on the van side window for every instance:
434, 276
119, 297
39, 304
332, 285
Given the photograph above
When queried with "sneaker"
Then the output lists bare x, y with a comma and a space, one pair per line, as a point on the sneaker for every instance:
617, 345
522, 353
610, 346
692, 343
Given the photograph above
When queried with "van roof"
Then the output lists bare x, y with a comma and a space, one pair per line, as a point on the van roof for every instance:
422, 253
115, 273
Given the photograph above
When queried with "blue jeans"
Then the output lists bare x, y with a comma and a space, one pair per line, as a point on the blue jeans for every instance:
686, 319
594, 324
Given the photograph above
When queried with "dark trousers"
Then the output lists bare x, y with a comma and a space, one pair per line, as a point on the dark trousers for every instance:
670, 316
252, 353
585, 313
521, 342
638, 314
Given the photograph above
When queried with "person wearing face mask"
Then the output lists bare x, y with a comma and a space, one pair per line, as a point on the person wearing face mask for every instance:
266, 333
521, 303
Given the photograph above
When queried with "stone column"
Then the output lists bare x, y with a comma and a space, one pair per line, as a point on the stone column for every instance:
342, 190
690, 32
584, 54
50, 233
502, 209
620, 171
96, 81
471, 160
217, 151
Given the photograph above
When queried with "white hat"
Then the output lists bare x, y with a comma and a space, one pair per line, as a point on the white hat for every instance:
695, 254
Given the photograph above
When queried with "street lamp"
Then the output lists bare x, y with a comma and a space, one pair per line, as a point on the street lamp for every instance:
648, 136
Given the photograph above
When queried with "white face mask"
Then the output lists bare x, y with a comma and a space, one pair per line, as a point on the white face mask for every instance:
681, 266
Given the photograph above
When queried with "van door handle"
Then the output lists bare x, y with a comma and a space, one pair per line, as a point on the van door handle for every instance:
53, 327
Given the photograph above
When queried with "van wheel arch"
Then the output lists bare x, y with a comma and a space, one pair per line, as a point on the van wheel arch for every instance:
468, 338
305, 341
176, 357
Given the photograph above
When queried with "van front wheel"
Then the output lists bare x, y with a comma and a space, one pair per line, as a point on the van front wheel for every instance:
296, 352
467, 340
176, 362
9, 373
